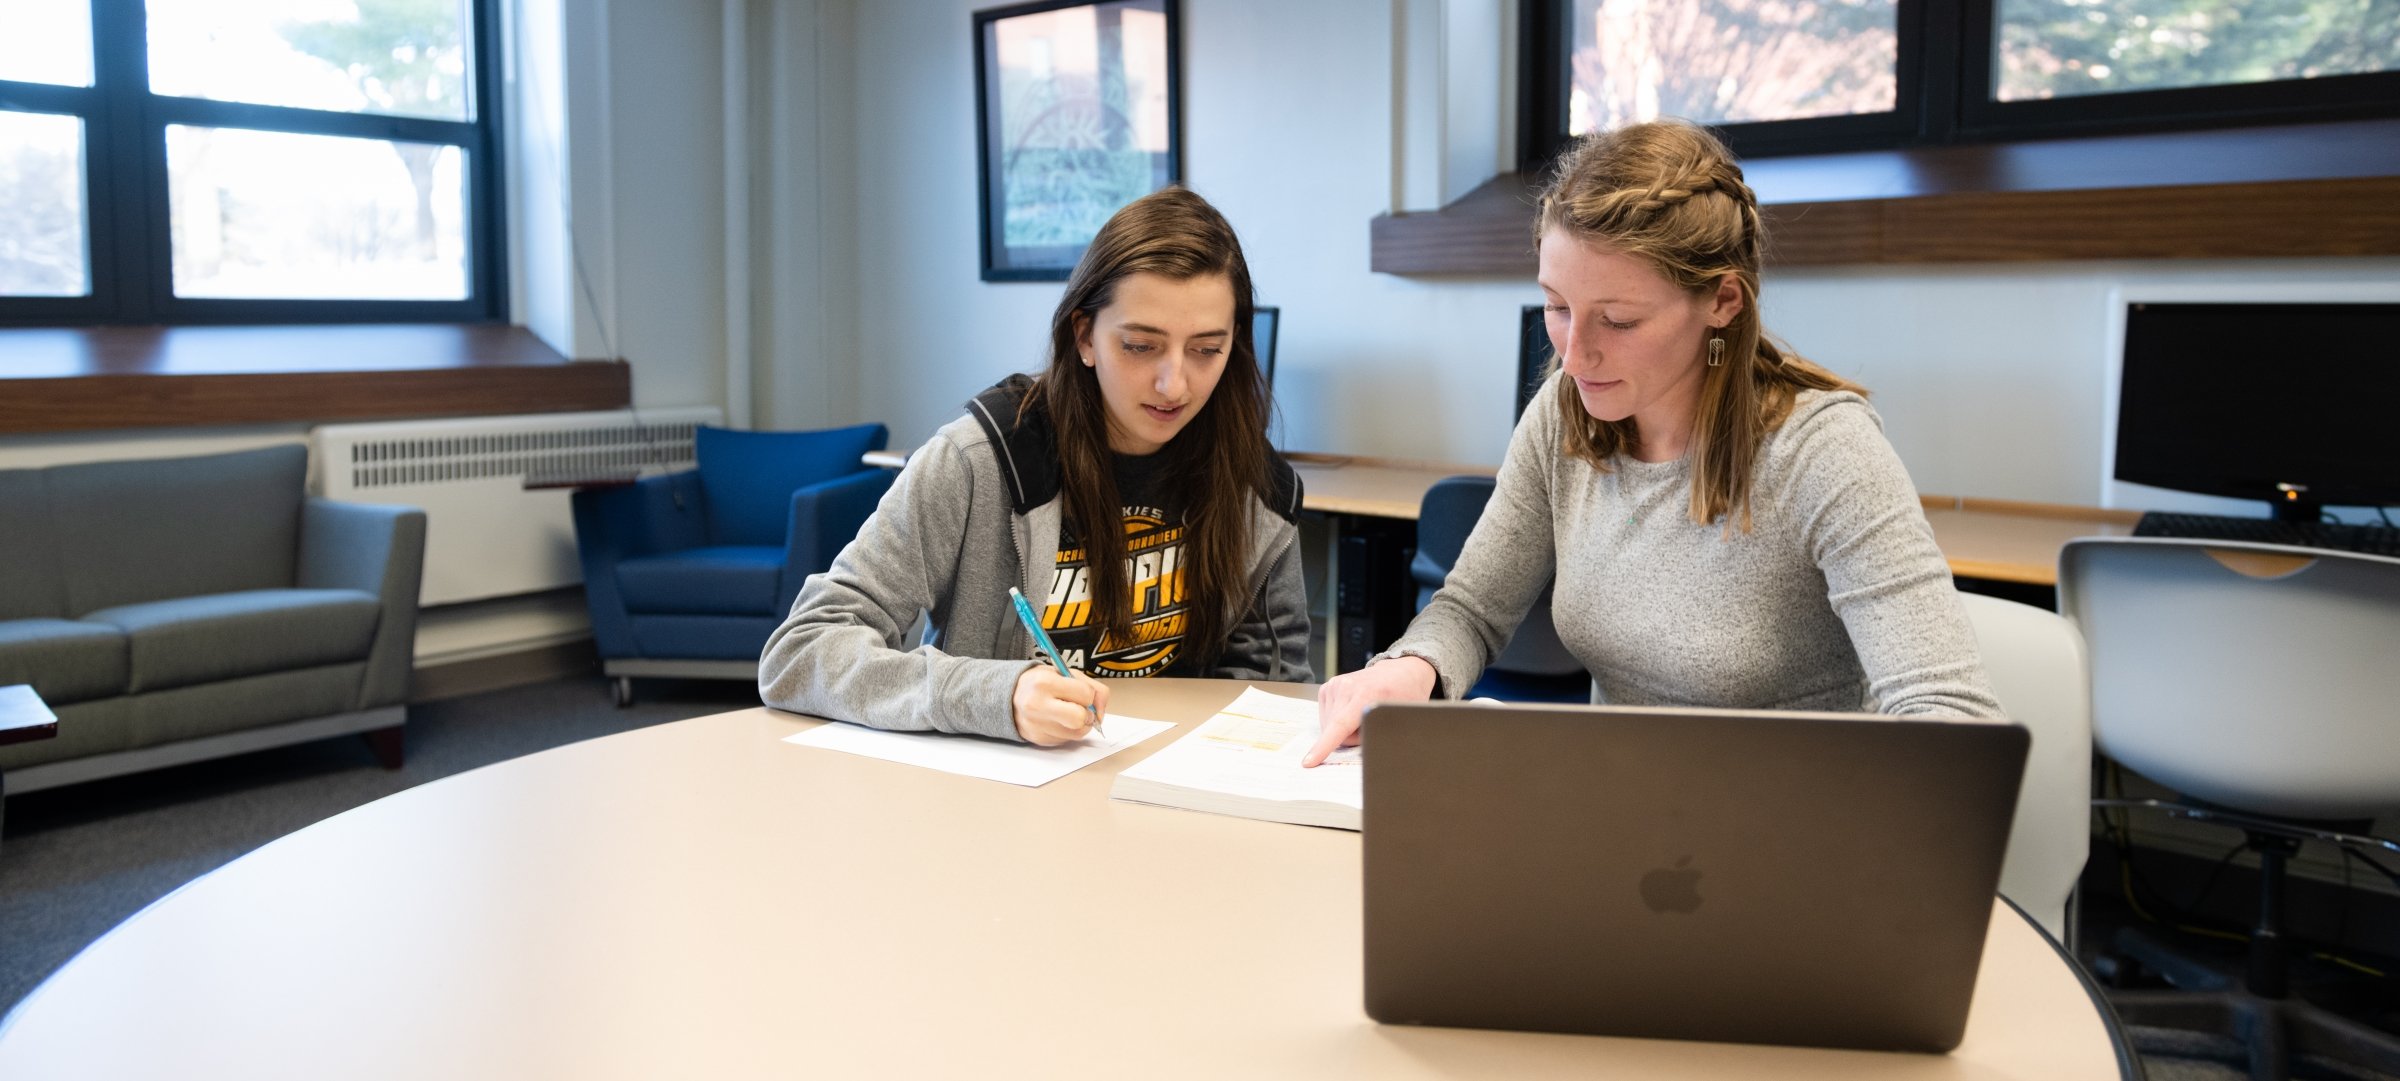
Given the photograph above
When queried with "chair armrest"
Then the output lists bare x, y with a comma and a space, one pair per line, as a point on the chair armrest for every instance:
381, 550
651, 515
664, 513
826, 517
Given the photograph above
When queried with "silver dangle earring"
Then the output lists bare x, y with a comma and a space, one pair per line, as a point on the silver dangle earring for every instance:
1716, 352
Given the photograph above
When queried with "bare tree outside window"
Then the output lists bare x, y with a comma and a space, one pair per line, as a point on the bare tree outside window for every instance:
41, 206
276, 214
47, 41
2069, 48
387, 57
1732, 61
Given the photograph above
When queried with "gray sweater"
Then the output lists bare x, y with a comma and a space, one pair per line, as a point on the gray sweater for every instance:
975, 512
1836, 600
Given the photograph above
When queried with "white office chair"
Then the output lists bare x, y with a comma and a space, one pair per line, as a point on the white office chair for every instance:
2258, 681
2036, 664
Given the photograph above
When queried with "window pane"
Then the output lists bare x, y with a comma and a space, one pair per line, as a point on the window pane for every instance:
2067, 48
41, 206
48, 41
1733, 61
271, 214
397, 57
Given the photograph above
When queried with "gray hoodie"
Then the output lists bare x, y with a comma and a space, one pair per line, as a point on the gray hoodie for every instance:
976, 511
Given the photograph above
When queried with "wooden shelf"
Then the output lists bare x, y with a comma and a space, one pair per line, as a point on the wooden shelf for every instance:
2308, 190
96, 378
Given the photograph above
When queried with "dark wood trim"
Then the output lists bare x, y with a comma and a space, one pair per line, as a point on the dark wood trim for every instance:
97, 378
2314, 190
1486, 231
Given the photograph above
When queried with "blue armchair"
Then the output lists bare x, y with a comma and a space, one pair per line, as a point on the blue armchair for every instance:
687, 573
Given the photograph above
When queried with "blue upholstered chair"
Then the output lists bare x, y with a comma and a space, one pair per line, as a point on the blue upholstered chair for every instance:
1534, 666
687, 573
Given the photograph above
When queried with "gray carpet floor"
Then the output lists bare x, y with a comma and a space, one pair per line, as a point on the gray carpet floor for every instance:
77, 861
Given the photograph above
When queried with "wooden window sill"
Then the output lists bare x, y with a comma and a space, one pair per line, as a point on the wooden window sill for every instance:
2302, 190
95, 378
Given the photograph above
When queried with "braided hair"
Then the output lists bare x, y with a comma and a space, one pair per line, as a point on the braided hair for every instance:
1669, 193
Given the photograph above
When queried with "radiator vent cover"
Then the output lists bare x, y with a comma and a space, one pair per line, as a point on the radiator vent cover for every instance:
495, 489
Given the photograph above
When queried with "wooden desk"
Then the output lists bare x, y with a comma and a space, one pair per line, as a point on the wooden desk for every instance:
1995, 539
1373, 505
1377, 487
2003, 541
700, 900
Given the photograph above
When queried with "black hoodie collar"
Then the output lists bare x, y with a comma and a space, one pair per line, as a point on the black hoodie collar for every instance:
1027, 446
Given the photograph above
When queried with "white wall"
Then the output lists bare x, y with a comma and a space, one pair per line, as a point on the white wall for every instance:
805, 292
1989, 375
1991, 378
664, 125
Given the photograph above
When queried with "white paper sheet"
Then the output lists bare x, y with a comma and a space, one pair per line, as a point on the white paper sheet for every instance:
1015, 763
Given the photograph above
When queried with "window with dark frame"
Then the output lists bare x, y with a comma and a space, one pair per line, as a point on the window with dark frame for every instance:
1820, 76
250, 161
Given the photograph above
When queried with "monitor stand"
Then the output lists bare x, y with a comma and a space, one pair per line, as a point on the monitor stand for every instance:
2298, 510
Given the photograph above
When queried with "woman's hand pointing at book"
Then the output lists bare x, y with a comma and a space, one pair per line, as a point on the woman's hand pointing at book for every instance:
1345, 697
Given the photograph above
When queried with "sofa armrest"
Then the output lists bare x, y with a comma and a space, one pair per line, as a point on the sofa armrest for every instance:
654, 514
826, 516
377, 549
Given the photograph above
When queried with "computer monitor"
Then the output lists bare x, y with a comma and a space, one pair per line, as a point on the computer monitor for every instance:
1263, 318
1533, 356
2290, 403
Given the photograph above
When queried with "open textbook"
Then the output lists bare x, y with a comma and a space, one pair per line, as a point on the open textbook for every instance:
1245, 761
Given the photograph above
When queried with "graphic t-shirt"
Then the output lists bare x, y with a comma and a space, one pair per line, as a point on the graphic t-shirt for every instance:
1154, 552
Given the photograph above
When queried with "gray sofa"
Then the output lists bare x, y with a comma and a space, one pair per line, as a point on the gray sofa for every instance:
186, 608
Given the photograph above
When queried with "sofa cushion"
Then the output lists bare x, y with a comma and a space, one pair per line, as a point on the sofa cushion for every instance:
130, 532
748, 477
177, 643
739, 581
65, 660
29, 582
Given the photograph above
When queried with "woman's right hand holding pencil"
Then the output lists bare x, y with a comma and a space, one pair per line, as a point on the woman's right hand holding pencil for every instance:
1052, 709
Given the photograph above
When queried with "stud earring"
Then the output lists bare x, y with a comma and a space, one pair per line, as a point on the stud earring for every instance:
1716, 352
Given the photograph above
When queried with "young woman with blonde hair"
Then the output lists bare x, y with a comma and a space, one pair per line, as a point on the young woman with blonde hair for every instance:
1726, 522
1128, 490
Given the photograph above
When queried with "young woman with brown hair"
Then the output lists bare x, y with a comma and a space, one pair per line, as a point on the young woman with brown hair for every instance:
1128, 490
1726, 523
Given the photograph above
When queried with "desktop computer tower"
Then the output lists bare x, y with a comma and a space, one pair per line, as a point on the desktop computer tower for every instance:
1373, 591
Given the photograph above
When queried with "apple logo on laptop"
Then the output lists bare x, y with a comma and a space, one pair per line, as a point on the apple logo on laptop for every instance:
1673, 889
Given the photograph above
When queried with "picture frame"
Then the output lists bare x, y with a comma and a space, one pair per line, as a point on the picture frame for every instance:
1078, 111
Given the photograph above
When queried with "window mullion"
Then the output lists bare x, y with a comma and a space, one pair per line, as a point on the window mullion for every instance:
47, 98
126, 200
129, 222
204, 112
1945, 63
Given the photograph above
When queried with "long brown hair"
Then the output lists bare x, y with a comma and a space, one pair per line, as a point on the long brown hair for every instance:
1220, 458
1670, 194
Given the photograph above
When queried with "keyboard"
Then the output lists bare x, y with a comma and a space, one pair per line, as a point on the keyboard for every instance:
2374, 540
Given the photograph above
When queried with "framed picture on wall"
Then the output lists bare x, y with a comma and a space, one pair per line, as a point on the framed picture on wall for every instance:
1077, 114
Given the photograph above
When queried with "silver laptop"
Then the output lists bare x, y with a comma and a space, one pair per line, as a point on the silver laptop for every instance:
1819, 879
